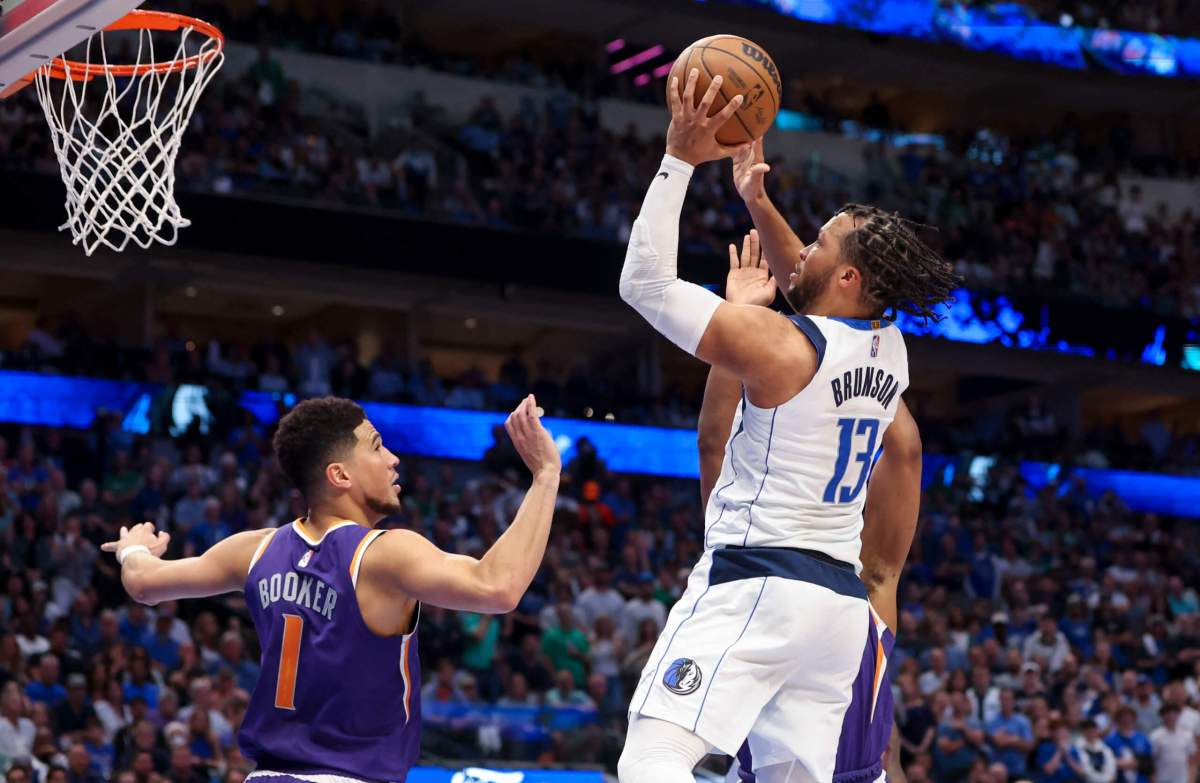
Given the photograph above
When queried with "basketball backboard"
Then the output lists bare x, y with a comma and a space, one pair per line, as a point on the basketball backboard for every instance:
34, 31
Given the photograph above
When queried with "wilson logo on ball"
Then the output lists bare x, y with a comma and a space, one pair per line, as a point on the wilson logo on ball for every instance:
759, 57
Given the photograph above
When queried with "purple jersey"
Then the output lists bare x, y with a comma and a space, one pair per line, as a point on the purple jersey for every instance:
334, 697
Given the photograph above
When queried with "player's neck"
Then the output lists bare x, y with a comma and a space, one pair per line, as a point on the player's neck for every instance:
323, 516
834, 309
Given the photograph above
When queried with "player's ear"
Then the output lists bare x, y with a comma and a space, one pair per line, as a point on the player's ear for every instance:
338, 475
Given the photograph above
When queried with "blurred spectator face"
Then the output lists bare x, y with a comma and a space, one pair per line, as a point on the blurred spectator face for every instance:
445, 673
1007, 703
997, 773
78, 759
564, 681
48, 670
232, 647
56, 775
1089, 731
470, 690
1126, 720
518, 689
597, 688
144, 735
181, 760
566, 615
937, 660
10, 699
17, 775
143, 764
1170, 717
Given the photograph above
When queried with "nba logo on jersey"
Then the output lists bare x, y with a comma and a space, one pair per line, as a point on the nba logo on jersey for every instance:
304, 560
874, 345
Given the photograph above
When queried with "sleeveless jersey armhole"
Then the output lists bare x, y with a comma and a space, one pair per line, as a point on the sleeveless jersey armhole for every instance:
262, 547
813, 333
356, 561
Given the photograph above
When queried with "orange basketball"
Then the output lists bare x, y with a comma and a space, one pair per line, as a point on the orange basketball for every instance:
746, 70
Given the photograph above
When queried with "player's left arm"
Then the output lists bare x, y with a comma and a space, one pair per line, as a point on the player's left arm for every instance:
890, 515
150, 580
741, 339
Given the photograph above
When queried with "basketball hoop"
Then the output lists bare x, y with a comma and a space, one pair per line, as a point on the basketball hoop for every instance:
117, 128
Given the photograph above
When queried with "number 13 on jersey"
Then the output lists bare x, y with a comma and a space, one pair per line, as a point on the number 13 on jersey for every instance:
852, 432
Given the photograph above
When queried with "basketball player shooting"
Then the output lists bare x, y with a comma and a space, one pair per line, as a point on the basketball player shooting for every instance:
336, 603
774, 627
889, 524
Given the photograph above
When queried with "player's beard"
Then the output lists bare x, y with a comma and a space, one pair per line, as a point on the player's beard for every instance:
385, 507
808, 289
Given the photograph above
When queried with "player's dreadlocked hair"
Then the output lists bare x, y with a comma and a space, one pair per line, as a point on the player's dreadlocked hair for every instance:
900, 272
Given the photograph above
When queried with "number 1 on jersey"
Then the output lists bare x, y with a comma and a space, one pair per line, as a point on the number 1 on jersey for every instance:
846, 435
289, 662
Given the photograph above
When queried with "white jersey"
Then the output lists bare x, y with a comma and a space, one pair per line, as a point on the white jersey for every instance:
795, 475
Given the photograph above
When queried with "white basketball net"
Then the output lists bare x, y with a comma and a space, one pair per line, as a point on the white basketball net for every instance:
116, 138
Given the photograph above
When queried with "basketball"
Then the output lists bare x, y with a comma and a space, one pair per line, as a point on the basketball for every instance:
747, 69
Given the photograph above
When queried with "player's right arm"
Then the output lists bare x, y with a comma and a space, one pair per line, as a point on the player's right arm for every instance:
890, 515
758, 345
404, 564
150, 580
779, 241
748, 283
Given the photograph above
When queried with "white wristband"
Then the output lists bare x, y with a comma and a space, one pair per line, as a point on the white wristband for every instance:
129, 550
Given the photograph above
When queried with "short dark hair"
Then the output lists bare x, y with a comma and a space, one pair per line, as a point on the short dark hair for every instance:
900, 272
312, 435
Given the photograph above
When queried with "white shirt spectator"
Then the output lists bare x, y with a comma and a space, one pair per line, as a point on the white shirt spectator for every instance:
639, 609
16, 740
1172, 750
989, 710
1054, 652
1098, 762
930, 681
595, 603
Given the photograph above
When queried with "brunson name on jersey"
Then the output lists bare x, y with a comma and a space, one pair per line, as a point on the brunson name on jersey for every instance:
864, 382
303, 591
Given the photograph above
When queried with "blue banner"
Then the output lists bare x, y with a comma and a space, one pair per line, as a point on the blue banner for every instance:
445, 433
1006, 28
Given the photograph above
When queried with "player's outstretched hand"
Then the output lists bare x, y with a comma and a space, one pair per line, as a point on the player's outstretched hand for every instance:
140, 534
749, 281
749, 168
531, 439
692, 134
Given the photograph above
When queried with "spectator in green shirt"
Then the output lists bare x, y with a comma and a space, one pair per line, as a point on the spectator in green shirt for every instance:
482, 634
565, 644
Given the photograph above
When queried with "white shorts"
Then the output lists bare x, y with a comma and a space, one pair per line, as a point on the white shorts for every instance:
772, 647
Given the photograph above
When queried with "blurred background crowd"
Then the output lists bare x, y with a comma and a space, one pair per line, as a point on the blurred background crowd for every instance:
1047, 635
1043, 636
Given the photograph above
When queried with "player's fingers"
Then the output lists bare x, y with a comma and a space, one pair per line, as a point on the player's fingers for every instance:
724, 114
734, 263
758, 149
759, 169
110, 546
689, 92
710, 95
755, 249
744, 152
747, 260
673, 99
124, 531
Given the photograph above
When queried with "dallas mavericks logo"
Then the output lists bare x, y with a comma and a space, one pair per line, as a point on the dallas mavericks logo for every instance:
304, 560
682, 677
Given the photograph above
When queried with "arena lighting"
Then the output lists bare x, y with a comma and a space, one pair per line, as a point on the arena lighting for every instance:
615, 45
642, 79
637, 59
662, 70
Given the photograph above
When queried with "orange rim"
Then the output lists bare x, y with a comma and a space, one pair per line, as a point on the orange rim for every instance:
60, 68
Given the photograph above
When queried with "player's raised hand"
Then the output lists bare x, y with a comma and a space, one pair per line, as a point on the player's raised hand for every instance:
749, 168
692, 134
531, 439
749, 281
143, 534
